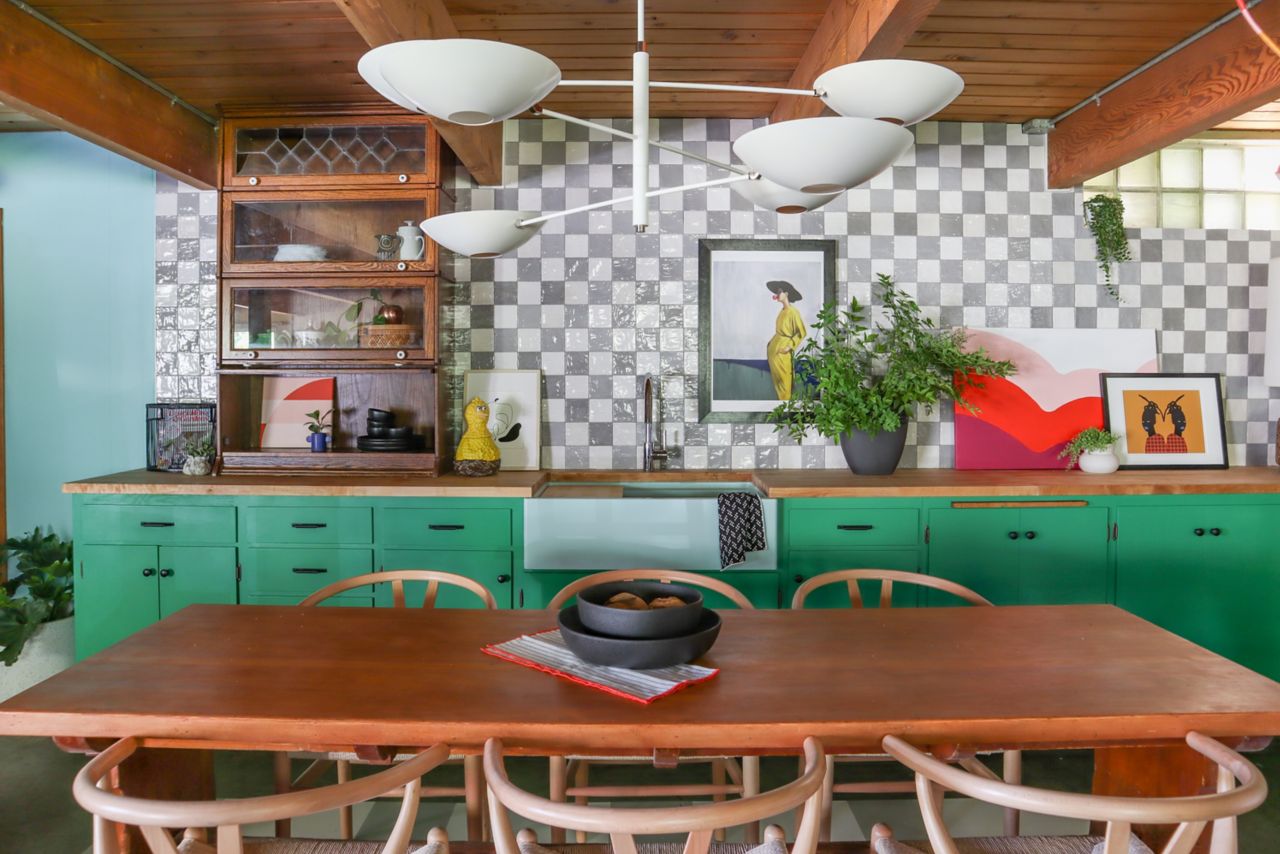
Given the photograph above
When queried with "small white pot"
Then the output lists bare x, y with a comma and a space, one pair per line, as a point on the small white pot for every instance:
1099, 462
51, 650
197, 466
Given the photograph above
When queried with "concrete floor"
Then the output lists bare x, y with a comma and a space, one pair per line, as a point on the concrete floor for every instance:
38, 816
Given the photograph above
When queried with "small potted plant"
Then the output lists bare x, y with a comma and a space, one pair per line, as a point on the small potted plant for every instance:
37, 636
318, 439
200, 454
1093, 450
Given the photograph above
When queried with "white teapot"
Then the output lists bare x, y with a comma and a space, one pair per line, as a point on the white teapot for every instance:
412, 243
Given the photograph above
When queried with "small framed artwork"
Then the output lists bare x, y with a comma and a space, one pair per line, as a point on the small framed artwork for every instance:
757, 302
1166, 420
515, 413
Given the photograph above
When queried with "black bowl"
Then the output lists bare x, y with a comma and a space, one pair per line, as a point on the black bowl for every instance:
381, 416
399, 432
638, 653
657, 623
377, 429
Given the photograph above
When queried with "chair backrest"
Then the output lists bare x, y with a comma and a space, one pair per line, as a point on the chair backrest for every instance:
699, 820
693, 579
152, 817
887, 578
396, 578
1191, 814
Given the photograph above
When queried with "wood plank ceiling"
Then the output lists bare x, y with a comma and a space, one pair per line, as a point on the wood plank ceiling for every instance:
1021, 59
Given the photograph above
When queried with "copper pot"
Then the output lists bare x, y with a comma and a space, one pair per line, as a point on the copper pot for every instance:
391, 313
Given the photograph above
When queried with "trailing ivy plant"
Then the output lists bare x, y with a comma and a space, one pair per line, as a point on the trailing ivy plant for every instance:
853, 374
39, 592
1089, 439
1105, 217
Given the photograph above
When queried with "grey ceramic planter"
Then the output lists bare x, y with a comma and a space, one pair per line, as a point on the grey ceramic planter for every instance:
878, 454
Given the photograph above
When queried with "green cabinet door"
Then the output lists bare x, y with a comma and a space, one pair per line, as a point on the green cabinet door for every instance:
759, 586
1207, 573
192, 575
805, 564
116, 594
492, 569
1027, 556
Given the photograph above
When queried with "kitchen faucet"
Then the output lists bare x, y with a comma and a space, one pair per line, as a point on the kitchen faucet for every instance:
653, 448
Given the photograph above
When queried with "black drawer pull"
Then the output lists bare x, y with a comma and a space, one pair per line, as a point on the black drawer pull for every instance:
166, 573
157, 524
1031, 535
1013, 535
310, 524
1217, 532
504, 578
1199, 532
147, 573
445, 527
310, 570
854, 527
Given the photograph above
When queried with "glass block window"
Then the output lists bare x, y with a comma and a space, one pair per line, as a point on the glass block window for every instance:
1199, 184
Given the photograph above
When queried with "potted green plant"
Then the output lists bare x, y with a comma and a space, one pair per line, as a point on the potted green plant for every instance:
1104, 215
1094, 450
859, 382
36, 604
200, 454
317, 438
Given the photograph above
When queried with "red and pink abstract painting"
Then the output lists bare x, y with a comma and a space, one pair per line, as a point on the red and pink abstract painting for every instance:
1024, 421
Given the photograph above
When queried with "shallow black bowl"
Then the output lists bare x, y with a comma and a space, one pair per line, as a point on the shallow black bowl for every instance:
657, 623
638, 653
381, 416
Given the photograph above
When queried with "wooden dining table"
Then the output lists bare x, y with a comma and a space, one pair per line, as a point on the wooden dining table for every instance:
958, 680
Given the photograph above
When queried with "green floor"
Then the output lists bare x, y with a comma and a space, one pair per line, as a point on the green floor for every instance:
37, 815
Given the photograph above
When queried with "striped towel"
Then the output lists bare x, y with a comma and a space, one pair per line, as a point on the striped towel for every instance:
546, 651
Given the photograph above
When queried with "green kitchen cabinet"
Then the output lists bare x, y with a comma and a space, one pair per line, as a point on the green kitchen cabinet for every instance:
121, 589
1022, 555
759, 586
1207, 572
805, 564
491, 568
274, 575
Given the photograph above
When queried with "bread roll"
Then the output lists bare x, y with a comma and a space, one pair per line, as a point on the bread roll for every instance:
627, 602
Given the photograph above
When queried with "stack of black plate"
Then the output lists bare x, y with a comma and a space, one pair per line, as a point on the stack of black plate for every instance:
384, 435
639, 639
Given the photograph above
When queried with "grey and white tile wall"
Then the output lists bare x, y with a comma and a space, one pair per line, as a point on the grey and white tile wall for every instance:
964, 221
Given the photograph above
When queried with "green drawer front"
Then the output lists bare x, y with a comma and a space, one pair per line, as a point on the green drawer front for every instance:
309, 525
161, 525
300, 572
491, 569
852, 527
444, 528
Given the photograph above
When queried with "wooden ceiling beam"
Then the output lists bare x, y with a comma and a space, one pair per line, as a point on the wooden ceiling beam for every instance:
1223, 75
382, 21
851, 30
52, 78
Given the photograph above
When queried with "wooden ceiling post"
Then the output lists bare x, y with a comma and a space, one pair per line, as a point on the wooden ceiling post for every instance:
50, 77
1223, 75
383, 21
851, 30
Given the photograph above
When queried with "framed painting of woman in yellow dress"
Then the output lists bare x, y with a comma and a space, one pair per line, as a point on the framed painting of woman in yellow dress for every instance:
757, 301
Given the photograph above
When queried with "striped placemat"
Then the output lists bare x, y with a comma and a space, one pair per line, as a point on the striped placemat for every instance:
546, 651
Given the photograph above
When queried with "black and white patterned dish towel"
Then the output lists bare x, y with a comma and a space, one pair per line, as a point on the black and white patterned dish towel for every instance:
741, 526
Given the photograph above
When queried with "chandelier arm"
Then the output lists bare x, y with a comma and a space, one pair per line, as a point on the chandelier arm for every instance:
702, 87
674, 149
700, 185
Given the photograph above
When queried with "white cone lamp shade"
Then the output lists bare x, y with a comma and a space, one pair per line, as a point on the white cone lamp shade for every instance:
480, 234
823, 155
896, 90
466, 81
764, 193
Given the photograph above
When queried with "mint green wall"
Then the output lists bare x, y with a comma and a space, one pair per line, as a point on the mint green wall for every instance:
79, 308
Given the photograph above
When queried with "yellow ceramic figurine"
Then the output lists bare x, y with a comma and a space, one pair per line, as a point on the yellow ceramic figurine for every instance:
477, 452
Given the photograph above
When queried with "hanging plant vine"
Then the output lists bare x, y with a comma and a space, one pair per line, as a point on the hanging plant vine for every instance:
1105, 217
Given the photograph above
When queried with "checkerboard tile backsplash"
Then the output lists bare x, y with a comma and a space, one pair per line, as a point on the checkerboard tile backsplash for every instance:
964, 222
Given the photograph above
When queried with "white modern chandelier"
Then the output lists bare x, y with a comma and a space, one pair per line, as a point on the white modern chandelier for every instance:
790, 167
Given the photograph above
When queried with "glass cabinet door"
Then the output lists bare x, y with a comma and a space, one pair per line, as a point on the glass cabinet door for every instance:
315, 232
300, 151
267, 320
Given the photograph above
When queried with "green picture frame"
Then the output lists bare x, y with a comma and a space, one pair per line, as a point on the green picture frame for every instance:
737, 313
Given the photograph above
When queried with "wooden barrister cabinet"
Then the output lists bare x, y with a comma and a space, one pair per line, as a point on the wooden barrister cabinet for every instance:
325, 275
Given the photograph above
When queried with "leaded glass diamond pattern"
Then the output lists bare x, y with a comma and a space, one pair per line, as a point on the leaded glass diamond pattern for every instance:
326, 150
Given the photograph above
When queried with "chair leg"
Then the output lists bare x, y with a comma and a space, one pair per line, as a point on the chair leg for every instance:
346, 814
283, 772
473, 776
558, 781
828, 798
1012, 774
750, 787
719, 777
437, 836
581, 778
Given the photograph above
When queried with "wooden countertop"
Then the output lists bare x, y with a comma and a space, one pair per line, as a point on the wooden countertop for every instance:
792, 483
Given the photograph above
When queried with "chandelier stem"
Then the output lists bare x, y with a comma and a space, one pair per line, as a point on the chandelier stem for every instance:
700, 87
665, 146
700, 185
640, 127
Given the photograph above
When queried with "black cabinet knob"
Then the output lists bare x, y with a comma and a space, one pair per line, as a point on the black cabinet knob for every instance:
166, 573
504, 578
1199, 532
1013, 535
799, 579
1031, 535
147, 573
1217, 532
